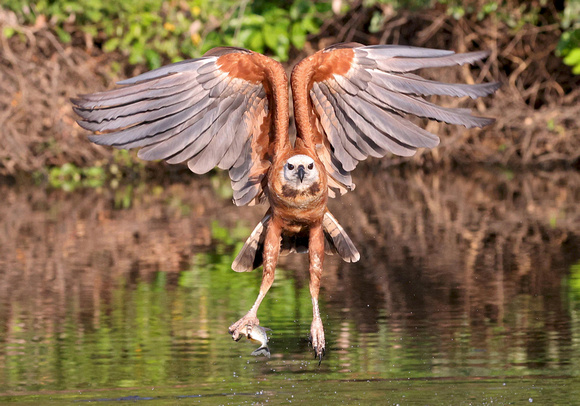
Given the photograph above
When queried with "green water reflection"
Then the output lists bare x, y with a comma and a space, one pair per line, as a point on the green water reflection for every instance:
160, 333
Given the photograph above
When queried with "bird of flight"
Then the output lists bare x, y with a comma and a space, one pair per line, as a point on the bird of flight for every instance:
230, 109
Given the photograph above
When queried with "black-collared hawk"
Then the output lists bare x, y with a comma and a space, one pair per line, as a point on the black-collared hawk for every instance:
230, 109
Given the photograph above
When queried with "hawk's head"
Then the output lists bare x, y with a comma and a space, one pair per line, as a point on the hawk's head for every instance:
300, 173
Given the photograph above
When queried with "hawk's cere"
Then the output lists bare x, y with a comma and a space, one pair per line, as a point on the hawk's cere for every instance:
230, 109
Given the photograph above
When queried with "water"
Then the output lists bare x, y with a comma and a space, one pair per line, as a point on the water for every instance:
468, 292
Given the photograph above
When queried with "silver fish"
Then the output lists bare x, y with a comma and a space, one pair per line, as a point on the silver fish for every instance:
257, 334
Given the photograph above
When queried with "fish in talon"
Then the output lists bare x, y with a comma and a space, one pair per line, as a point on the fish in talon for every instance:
257, 334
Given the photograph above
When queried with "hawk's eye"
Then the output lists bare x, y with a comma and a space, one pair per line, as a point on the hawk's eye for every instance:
290, 166
310, 166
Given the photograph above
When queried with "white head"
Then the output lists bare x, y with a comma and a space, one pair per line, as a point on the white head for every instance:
300, 172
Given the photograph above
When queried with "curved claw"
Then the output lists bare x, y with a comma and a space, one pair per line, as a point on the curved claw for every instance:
240, 327
319, 355
317, 339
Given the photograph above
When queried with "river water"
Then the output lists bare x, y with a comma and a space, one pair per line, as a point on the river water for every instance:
467, 292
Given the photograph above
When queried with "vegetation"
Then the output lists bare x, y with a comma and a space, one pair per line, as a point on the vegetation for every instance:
569, 45
69, 177
153, 30
54, 49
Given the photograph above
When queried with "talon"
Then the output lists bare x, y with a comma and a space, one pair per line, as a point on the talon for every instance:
317, 339
243, 326
319, 353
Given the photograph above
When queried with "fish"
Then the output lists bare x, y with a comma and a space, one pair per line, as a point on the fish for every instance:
257, 334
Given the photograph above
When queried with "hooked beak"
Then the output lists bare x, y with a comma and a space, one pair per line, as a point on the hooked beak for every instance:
301, 173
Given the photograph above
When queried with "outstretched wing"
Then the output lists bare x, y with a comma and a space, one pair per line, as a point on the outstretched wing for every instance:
216, 110
350, 102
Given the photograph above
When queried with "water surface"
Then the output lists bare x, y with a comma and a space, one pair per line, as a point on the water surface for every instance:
467, 292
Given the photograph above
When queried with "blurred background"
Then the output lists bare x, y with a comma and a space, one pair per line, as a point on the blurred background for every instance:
115, 274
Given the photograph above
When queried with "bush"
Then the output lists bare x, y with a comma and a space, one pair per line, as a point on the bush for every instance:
157, 31
152, 31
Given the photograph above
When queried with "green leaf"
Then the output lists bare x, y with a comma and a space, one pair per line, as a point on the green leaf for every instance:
310, 25
298, 36
153, 58
63, 35
275, 15
270, 36
8, 32
283, 48
245, 34
252, 19
136, 53
376, 22
573, 57
255, 41
94, 15
111, 45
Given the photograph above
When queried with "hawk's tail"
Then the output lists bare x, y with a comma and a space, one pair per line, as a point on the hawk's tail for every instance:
250, 256
336, 241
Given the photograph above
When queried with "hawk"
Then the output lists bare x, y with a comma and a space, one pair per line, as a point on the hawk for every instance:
230, 109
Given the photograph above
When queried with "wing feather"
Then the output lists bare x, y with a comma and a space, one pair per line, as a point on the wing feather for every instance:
379, 113
210, 111
212, 154
356, 135
151, 132
159, 104
195, 137
422, 108
256, 104
397, 64
373, 122
361, 95
330, 124
144, 112
131, 94
409, 83
243, 163
188, 66
135, 92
